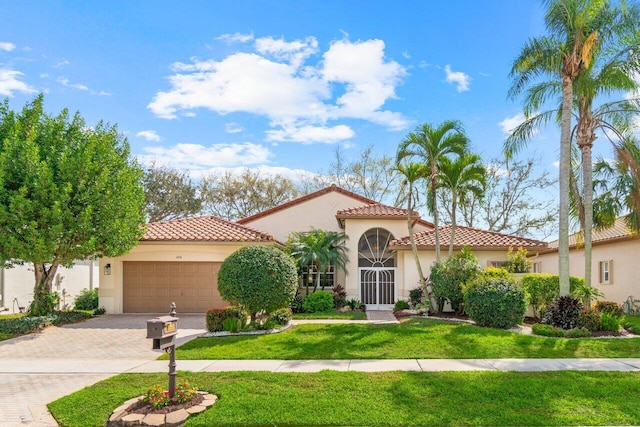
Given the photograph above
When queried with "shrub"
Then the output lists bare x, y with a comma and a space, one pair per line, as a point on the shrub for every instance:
416, 295
318, 302
156, 396
577, 333
218, 319
563, 312
297, 305
401, 305
339, 296
547, 330
609, 322
73, 316
86, 300
517, 261
184, 393
609, 307
495, 273
355, 304
448, 278
258, 278
24, 325
584, 293
99, 311
589, 319
48, 303
542, 288
281, 316
496, 303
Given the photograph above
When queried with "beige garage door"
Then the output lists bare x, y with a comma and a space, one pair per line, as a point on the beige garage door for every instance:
149, 287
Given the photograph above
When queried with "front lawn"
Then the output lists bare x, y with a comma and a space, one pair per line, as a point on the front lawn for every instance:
332, 398
352, 315
412, 339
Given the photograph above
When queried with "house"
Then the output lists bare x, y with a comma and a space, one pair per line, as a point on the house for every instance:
614, 254
16, 284
178, 260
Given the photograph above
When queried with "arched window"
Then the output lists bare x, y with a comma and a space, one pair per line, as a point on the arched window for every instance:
373, 249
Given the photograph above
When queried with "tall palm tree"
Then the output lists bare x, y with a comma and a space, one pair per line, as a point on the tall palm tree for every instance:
318, 250
574, 27
430, 145
412, 172
614, 61
463, 177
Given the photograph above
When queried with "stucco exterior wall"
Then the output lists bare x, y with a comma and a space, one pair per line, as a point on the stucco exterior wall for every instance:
625, 273
319, 212
111, 293
18, 282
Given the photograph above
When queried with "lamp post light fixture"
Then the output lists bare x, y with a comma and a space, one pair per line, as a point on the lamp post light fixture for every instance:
107, 270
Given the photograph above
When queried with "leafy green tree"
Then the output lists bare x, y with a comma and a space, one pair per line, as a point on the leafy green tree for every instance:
169, 193
258, 278
574, 27
318, 250
430, 145
67, 192
463, 178
412, 172
233, 196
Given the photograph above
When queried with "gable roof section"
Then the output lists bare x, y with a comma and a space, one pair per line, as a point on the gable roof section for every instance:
467, 236
203, 229
618, 231
303, 199
379, 211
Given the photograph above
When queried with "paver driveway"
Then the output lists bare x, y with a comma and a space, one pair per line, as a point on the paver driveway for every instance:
39, 368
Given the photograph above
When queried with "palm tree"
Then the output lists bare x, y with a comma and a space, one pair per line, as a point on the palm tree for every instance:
412, 172
611, 68
463, 177
318, 250
574, 26
430, 145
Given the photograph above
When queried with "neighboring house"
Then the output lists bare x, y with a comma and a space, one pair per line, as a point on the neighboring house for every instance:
16, 284
178, 260
614, 266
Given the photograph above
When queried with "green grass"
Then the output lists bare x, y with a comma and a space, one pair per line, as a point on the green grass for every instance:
332, 398
352, 315
411, 339
632, 323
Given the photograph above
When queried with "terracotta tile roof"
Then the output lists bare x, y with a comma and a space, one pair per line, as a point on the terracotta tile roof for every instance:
467, 236
203, 229
374, 210
618, 231
303, 199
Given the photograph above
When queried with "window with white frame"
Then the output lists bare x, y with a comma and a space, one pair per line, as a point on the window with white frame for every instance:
310, 276
606, 272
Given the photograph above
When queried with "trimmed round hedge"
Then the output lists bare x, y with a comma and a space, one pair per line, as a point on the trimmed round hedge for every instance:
258, 278
495, 302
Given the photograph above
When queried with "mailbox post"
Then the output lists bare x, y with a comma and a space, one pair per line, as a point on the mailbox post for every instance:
163, 331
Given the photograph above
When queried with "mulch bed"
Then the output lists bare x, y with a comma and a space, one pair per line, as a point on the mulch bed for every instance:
146, 408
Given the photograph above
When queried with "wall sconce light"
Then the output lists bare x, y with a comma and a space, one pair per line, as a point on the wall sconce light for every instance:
107, 270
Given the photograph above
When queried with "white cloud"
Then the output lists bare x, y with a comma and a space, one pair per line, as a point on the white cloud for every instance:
232, 127
197, 157
10, 82
149, 135
461, 79
236, 38
296, 175
62, 63
65, 82
510, 123
556, 164
424, 64
276, 82
309, 134
7, 46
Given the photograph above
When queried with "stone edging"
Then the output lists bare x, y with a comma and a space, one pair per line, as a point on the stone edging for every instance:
234, 334
121, 417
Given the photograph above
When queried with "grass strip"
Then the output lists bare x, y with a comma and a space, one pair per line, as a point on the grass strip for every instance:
352, 315
411, 339
332, 398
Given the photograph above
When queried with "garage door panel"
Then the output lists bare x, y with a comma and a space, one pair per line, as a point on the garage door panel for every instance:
152, 286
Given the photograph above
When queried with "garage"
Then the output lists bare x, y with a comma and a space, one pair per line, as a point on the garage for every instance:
150, 286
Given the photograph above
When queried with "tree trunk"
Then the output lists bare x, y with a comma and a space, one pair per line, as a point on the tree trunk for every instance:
434, 203
454, 205
564, 173
42, 303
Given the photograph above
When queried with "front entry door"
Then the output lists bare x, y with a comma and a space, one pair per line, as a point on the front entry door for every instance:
378, 287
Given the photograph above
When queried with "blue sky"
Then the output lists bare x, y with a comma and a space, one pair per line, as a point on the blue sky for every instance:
277, 85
